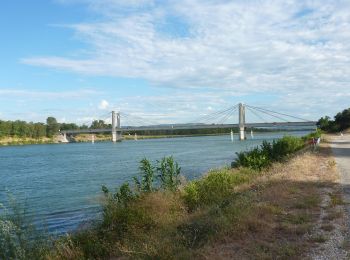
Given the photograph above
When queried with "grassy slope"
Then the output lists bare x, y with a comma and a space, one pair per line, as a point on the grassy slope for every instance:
234, 215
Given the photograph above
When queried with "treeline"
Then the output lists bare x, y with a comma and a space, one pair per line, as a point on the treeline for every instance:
341, 122
203, 131
24, 129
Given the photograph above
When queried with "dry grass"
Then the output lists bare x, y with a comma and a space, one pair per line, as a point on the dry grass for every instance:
285, 212
24, 140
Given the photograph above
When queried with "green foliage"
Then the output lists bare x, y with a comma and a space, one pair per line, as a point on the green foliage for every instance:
262, 157
22, 129
52, 126
19, 239
215, 187
169, 173
99, 124
316, 134
122, 196
341, 122
147, 176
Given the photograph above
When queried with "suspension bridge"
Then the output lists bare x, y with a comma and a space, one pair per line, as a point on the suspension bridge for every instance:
213, 120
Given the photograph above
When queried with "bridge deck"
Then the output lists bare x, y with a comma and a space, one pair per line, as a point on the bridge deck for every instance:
189, 126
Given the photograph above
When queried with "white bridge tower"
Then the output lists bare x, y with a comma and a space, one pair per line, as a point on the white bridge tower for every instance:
116, 135
241, 115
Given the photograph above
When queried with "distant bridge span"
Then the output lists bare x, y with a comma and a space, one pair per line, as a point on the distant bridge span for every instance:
190, 126
117, 129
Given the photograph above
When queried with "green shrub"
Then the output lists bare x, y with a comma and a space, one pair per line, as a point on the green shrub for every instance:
215, 187
122, 196
316, 134
147, 177
261, 157
169, 173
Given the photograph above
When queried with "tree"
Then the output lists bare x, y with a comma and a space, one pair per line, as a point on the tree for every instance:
98, 124
52, 126
324, 122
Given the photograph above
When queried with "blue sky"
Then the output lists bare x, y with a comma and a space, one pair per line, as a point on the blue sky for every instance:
171, 61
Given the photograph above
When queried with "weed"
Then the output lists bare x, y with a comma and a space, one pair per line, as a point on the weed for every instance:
319, 239
147, 177
336, 199
169, 173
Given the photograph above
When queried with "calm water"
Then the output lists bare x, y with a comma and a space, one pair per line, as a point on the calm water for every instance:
60, 184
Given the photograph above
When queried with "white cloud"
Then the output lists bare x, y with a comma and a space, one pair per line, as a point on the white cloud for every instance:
103, 105
245, 47
32, 94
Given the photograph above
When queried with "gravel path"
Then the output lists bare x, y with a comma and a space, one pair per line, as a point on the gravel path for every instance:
341, 151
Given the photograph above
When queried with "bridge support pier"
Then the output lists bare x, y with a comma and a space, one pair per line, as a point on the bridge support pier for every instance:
116, 135
241, 115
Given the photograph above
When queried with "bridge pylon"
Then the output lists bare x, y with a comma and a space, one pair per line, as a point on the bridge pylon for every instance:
116, 135
241, 116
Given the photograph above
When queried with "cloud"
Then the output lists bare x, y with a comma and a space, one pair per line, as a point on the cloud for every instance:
32, 94
103, 105
246, 47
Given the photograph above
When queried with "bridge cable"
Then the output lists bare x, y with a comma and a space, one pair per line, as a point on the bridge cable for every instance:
256, 114
211, 116
268, 113
144, 121
267, 110
215, 118
228, 115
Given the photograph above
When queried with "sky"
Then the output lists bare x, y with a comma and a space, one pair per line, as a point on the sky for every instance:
172, 60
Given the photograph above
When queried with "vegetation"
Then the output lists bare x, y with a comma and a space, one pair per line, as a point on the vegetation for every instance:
263, 156
341, 122
19, 238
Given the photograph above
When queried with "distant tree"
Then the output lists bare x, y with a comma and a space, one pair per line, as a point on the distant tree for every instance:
98, 124
324, 122
39, 130
68, 126
343, 119
52, 127
341, 122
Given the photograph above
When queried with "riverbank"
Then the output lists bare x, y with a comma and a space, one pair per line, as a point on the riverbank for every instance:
86, 138
8, 141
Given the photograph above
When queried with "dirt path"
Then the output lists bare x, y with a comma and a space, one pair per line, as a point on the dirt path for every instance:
341, 151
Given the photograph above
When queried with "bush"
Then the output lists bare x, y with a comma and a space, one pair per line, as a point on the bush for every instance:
316, 134
147, 176
215, 187
262, 157
169, 173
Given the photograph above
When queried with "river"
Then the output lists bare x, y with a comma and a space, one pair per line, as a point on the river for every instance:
60, 184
